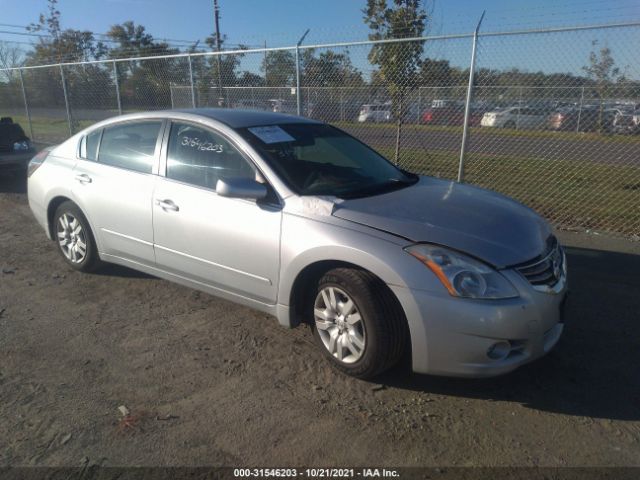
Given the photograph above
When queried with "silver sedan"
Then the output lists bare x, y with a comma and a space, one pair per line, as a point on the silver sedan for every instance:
300, 220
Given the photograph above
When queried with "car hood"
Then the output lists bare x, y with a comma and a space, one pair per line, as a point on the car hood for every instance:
482, 223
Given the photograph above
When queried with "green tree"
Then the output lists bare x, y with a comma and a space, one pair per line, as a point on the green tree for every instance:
10, 88
249, 79
133, 41
329, 69
279, 68
86, 85
326, 78
397, 62
213, 73
604, 73
62, 45
145, 83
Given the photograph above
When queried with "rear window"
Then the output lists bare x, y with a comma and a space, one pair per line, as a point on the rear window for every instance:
130, 145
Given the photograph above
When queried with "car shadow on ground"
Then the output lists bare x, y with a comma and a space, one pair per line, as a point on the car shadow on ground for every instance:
13, 181
594, 371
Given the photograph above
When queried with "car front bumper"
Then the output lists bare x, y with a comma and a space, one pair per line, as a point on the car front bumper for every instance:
453, 336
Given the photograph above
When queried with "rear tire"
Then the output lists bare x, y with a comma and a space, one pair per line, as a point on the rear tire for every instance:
74, 238
358, 323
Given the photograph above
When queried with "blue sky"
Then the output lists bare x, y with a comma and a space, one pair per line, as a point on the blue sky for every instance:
281, 22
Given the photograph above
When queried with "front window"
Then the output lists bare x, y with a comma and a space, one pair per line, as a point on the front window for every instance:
200, 157
318, 159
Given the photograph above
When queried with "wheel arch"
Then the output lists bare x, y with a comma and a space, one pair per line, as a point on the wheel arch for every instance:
53, 205
303, 283
300, 277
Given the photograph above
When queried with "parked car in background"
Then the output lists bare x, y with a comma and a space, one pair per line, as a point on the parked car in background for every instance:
524, 117
626, 121
302, 221
382, 112
15, 147
252, 105
583, 119
280, 105
375, 112
329, 110
451, 115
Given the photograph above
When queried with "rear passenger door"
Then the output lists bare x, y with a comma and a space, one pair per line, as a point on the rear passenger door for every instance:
231, 244
113, 184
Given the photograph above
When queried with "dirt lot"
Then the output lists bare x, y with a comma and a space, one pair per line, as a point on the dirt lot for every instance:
211, 383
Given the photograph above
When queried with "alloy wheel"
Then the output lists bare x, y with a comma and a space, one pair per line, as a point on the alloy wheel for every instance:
71, 238
339, 324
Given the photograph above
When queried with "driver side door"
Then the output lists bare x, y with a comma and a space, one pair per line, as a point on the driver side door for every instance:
230, 244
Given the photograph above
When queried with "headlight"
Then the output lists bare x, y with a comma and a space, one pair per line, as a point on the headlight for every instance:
461, 275
21, 146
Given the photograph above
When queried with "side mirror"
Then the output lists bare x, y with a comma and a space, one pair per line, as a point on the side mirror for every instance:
240, 187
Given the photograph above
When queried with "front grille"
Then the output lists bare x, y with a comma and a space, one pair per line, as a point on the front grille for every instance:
546, 270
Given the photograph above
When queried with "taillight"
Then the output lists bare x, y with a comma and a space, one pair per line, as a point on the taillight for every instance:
36, 161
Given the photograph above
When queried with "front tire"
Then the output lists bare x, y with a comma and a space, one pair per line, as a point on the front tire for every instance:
358, 323
74, 238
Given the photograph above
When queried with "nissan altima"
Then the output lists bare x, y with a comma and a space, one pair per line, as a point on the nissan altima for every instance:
300, 220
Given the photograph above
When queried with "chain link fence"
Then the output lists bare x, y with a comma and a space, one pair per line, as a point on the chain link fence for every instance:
552, 116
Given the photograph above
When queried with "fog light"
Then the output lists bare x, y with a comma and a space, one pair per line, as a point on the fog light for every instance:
499, 351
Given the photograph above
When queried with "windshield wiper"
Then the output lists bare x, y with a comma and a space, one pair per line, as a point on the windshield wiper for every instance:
380, 188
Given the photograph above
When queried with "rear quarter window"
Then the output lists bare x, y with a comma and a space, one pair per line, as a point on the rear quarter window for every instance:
89, 145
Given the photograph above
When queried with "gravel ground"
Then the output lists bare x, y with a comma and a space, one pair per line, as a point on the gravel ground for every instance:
211, 383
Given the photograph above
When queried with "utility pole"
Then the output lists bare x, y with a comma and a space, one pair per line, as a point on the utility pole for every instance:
216, 16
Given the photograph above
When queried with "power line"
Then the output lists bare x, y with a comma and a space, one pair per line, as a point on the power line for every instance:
26, 27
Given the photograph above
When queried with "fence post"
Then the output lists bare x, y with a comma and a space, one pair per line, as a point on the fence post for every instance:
467, 106
115, 76
519, 107
26, 104
66, 100
193, 91
580, 109
396, 155
298, 97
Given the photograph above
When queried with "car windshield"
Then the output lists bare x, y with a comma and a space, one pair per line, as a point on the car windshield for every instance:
318, 159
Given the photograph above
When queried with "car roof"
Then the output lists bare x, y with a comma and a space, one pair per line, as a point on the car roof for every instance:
243, 118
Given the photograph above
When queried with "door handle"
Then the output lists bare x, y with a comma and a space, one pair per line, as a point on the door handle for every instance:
167, 205
83, 178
